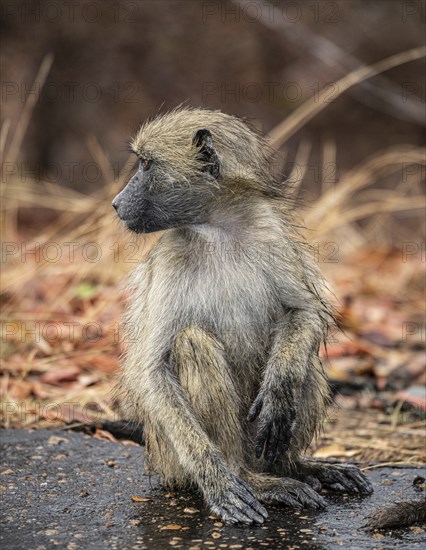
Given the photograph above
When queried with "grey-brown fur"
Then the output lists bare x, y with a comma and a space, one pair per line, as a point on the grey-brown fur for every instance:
224, 325
401, 514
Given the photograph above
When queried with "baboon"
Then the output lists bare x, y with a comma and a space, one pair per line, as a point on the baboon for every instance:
225, 321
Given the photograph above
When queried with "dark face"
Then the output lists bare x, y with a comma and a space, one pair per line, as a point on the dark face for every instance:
159, 197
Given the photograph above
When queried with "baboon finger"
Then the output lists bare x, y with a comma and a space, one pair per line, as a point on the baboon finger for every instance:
261, 440
363, 484
255, 409
336, 478
224, 515
312, 499
314, 482
282, 447
243, 513
278, 442
283, 498
261, 510
237, 515
272, 444
251, 512
245, 486
253, 503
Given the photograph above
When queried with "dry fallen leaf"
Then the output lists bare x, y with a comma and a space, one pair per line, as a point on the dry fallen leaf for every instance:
140, 499
60, 376
20, 389
56, 440
171, 527
103, 434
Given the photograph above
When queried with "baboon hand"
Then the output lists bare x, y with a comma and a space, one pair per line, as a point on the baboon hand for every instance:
277, 415
236, 503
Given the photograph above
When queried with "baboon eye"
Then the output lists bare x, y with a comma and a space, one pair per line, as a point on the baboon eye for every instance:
146, 164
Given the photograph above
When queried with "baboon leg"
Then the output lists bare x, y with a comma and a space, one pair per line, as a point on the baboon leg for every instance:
198, 421
203, 372
283, 491
338, 477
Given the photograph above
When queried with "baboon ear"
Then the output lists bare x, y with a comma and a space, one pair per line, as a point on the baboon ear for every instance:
206, 153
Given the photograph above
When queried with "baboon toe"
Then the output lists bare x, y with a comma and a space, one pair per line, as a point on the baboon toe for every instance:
313, 482
238, 513
343, 478
238, 505
294, 494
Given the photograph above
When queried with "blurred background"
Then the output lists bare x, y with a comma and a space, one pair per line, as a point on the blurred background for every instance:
339, 89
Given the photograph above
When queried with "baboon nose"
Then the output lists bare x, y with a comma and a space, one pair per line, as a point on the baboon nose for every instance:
115, 205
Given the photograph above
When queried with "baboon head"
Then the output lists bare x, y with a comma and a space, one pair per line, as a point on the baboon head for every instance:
189, 161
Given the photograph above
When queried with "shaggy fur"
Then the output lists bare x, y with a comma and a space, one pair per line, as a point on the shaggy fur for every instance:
401, 514
227, 315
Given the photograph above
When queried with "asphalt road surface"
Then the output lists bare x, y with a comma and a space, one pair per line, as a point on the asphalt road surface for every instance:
68, 490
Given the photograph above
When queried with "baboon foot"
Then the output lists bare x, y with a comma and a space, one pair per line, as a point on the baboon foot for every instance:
292, 493
237, 503
336, 477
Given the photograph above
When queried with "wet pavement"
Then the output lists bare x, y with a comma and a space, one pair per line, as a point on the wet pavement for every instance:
69, 490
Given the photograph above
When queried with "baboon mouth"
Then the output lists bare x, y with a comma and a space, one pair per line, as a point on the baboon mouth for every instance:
140, 226
129, 222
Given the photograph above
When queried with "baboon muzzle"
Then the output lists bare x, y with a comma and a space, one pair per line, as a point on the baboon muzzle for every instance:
134, 208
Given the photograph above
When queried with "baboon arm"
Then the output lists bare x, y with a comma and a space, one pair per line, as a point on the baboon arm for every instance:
295, 338
294, 341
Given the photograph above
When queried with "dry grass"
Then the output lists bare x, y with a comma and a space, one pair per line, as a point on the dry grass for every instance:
84, 219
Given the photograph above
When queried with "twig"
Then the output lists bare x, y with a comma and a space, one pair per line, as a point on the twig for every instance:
278, 135
30, 103
382, 94
392, 464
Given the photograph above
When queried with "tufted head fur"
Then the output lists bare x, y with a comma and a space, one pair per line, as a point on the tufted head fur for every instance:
191, 162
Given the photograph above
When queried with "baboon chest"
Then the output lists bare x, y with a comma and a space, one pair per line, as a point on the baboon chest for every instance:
230, 296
